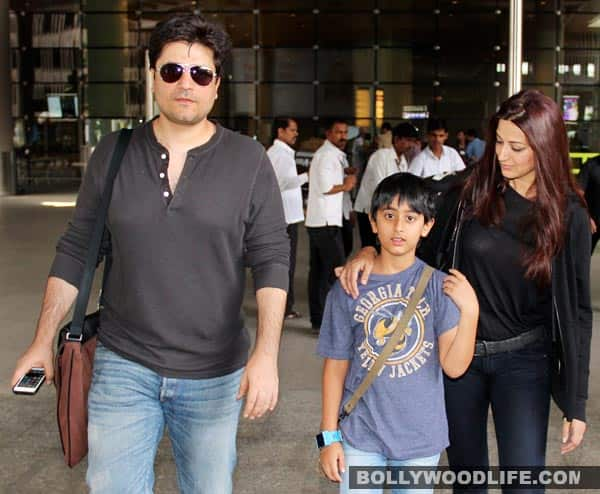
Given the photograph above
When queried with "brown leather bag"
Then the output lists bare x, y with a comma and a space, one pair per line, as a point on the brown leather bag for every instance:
73, 378
77, 340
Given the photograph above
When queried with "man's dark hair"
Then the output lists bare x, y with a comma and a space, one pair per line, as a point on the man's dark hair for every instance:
190, 28
408, 188
436, 124
386, 126
280, 123
330, 122
471, 133
405, 129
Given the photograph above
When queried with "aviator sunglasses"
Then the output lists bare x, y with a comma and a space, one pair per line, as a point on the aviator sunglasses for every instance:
172, 72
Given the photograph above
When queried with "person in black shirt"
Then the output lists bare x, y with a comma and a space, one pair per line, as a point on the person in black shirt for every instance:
520, 232
589, 178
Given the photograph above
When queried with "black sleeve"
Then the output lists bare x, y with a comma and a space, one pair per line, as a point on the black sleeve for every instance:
71, 249
435, 248
580, 241
266, 242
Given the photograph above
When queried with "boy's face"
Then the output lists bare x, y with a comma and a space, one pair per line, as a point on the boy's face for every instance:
399, 228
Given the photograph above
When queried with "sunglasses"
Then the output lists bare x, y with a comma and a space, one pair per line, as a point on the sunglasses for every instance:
172, 72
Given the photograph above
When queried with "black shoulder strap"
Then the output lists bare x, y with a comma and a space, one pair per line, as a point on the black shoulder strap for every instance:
85, 285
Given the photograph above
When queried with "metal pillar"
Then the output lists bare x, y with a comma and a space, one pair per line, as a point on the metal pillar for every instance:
7, 164
515, 47
149, 98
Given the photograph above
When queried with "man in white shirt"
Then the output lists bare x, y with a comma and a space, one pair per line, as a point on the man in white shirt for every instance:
324, 215
436, 160
281, 154
382, 163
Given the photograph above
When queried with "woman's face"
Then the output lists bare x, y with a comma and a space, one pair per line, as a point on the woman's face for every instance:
515, 156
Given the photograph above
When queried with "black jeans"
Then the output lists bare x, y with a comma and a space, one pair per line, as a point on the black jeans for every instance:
367, 237
347, 236
326, 253
292, 231
517, 386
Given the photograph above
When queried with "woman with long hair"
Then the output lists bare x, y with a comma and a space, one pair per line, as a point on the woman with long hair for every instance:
520, 232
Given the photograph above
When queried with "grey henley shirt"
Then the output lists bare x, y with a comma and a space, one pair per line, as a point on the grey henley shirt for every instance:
173, 296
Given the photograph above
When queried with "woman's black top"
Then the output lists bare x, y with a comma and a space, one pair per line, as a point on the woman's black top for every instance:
491, 259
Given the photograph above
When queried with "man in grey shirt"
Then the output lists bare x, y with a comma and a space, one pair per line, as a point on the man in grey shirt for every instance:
193, 204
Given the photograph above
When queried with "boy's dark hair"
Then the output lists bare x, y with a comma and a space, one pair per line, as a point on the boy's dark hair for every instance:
407, 187
280, 123
436, 124
471, 133
190, 28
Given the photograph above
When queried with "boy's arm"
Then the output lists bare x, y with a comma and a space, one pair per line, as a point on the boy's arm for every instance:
334, 374
458, 344
332, 456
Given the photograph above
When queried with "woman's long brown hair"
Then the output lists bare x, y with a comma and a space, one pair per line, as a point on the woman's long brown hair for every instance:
540, 119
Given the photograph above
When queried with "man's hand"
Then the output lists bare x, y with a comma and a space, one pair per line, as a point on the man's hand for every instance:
572, 435
37, 355
58, 298
362, 262
260, 385
349, 182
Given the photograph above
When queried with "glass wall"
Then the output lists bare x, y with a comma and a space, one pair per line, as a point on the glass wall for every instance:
368, 61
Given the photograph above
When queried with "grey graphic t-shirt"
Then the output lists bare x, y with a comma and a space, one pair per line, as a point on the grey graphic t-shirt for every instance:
402, 415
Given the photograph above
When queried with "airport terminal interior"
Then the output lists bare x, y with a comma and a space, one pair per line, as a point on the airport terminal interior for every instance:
78, 70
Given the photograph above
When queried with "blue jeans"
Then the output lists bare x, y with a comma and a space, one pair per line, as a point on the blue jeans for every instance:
517, 387
129, 406
356, 458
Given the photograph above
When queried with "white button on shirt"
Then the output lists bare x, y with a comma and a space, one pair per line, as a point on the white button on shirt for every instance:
326, 170
284, 164
427, 164
382, 164
163, 156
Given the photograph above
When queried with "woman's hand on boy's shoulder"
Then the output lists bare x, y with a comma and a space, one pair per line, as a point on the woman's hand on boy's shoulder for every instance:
361, 266
458, 288
332, 461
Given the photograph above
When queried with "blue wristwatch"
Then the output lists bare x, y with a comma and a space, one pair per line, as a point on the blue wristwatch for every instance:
325, 438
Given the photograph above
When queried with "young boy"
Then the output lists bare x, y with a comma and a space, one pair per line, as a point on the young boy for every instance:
401, 419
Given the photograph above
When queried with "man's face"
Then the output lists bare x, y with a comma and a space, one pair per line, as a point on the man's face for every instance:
437, 138
338, 135
289, 134
185, 102
404, 144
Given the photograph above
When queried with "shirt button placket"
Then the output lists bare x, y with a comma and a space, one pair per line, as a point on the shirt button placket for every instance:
164, 179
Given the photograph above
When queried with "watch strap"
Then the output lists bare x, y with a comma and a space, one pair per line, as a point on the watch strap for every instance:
325, 438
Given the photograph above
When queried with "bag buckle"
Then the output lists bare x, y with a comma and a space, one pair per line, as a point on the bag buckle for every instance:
79, 338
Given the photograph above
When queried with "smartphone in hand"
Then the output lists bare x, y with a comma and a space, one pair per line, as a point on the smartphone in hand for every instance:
30, 382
